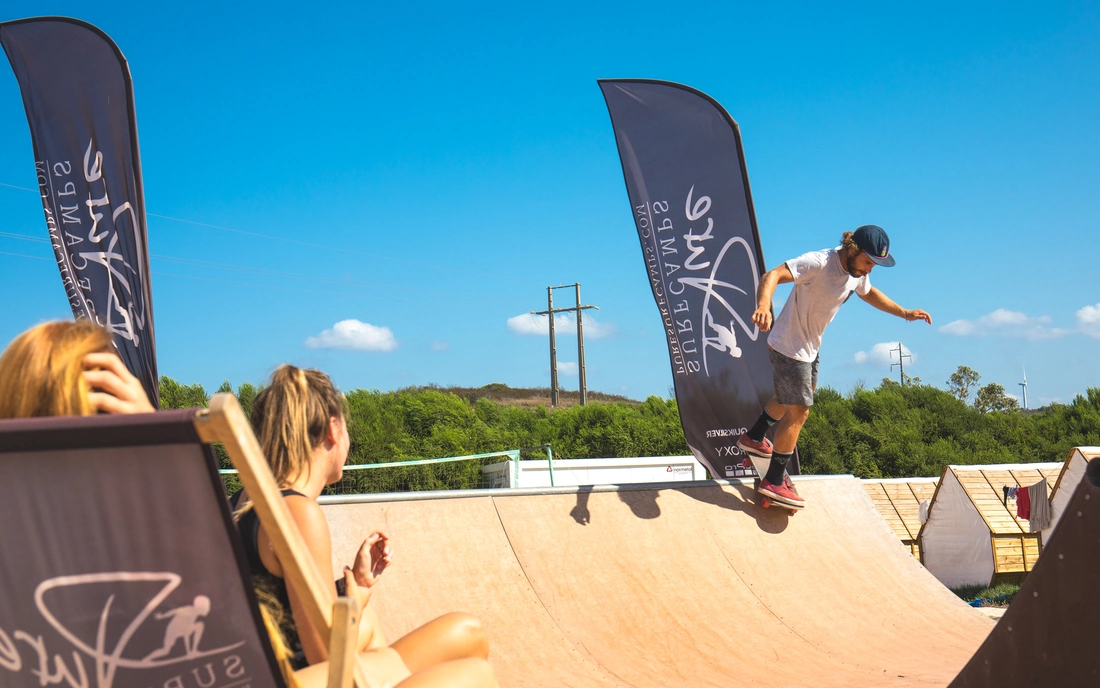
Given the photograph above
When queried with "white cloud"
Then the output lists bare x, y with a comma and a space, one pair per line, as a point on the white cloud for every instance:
1088, 321
355, 335
563, 324
880, 354
567, 368
440, 346
962, 328
1005, 323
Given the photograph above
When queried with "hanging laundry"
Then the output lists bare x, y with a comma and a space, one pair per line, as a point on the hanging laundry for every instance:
1040, 506
1012, 492
922, 514
1023, 504
1004, 490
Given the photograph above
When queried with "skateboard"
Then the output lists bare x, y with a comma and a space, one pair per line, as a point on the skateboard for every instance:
761, 467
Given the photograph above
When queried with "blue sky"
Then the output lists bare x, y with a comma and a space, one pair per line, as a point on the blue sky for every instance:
425, 171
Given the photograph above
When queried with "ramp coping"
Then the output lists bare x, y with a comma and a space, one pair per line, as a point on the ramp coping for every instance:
529, 491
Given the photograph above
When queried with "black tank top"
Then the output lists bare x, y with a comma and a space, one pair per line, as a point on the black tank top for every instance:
266, 582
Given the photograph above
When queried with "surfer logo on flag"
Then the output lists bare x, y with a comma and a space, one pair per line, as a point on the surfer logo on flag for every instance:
713, 271
122, 316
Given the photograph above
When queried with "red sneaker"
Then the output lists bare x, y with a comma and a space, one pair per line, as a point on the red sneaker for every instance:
762, 449
781, 493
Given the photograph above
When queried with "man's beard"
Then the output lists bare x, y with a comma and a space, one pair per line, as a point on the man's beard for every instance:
848, 266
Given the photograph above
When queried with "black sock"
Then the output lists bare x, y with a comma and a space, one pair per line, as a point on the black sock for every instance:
777, 467
756, 432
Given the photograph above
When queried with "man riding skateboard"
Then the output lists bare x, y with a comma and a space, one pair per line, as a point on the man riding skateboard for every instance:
823, 281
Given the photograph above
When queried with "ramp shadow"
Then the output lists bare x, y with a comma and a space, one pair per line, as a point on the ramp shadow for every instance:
643, 504
743, 499
580, 512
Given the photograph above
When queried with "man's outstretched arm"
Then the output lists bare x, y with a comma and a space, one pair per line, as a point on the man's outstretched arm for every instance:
883, 302
762, 316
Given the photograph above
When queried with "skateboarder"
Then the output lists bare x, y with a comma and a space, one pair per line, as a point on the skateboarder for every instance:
823, 281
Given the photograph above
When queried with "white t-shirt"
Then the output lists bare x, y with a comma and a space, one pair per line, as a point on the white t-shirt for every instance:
821, 286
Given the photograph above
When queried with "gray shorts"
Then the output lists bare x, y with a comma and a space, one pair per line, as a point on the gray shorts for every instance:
795, 381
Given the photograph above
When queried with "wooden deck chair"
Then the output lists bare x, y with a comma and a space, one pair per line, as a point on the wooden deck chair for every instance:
119, 561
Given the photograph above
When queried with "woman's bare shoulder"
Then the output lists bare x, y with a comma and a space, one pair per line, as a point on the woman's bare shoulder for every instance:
308, 515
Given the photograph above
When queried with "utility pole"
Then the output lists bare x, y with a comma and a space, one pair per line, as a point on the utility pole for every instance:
1024, 386
549, 312
580, 348
900, 363
553, 349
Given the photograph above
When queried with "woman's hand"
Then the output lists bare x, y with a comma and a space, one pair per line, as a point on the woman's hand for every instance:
372, 559
360, 595
112, 388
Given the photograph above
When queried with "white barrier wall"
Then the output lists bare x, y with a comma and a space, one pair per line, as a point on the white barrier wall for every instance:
572, 472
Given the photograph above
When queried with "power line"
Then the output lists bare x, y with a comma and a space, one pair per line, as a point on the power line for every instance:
267, 272
335, 248
900, 363
22, 255
326, 247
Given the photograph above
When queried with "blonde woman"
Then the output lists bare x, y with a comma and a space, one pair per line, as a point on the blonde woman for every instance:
66, 368
300, 421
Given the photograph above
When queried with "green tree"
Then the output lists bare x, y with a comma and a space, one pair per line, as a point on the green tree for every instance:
992, 397
893, 431
173, 395
246, 394
962, 381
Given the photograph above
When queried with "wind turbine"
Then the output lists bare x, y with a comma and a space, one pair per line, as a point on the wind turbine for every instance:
1024, 386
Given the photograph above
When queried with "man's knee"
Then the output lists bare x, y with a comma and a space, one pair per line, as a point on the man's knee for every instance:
797, 414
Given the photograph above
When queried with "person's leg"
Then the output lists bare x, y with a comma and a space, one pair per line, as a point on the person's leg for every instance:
752, 441
371, 636
460, 673
450, 637
384, 667
786, 437
775, 409
794, 385
789, 428
772, 413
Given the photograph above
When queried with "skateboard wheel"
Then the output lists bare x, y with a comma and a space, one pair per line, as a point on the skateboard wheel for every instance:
765, 502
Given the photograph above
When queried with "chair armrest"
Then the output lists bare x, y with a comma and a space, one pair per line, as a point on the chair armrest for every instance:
342, 650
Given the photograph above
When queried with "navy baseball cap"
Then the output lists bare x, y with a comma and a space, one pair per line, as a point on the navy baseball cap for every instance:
873, 241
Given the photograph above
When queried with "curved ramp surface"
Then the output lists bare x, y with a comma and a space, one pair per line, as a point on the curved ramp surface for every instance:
655, 586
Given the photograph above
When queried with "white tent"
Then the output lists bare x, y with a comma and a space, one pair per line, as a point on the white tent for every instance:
971, 536
1073, 471
898, 501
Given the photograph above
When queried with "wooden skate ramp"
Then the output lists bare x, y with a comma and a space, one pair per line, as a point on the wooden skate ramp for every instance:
672, 585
